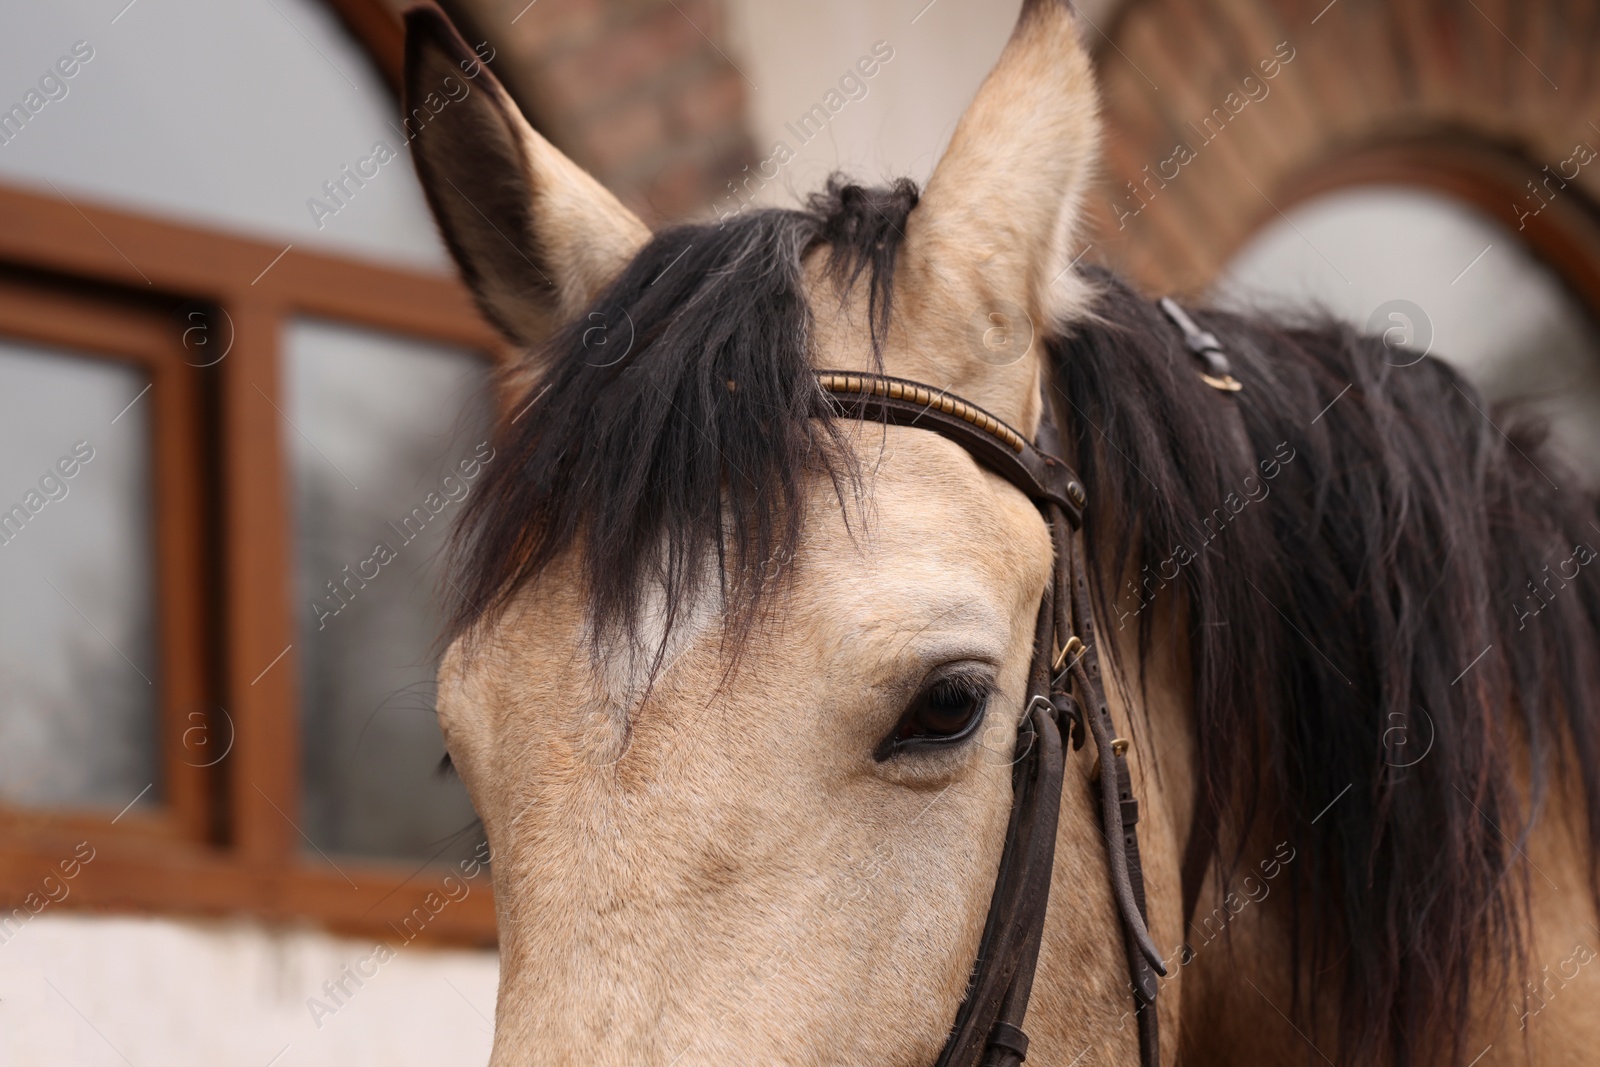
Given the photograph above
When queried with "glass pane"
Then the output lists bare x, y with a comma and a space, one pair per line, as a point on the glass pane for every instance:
1440, 277
78, 685
385, 444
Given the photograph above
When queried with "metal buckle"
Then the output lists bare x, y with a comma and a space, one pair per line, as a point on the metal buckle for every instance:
1119, 747
1072, 648
1204, 345
1042, 700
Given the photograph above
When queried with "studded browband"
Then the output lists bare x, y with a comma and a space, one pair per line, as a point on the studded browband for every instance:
1065, 691
879, 398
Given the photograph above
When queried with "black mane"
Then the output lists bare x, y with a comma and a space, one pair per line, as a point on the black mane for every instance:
676, 424
1368, 603
1367, 596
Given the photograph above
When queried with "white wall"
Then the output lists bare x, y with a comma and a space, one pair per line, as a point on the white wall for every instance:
793, 54
91, 991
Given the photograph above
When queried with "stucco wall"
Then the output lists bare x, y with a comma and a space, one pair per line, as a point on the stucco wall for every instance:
892, 123
87, 990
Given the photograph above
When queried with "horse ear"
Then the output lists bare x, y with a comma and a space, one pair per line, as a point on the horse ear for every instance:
996, 221
534, 235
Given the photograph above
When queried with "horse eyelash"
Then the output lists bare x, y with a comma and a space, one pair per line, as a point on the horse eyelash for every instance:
964, 684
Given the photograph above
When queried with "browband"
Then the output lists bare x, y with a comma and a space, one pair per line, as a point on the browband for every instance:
1043, 478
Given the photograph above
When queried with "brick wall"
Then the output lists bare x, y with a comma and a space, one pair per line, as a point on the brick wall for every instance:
640, 92
1458, 103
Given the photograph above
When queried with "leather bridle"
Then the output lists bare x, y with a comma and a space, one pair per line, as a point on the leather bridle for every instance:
1065, 692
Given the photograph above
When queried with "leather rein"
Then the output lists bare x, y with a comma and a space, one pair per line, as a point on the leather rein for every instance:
1065, 696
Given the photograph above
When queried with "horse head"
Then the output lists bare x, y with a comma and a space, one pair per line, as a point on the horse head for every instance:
738, 692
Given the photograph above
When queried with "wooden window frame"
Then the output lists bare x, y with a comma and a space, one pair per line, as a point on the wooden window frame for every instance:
114, 331
225, 841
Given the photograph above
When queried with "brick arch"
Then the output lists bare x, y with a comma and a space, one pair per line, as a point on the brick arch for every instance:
1405, 91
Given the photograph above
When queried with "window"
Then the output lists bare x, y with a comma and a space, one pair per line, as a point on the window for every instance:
390, 434
212, 674
80, 731
100, 566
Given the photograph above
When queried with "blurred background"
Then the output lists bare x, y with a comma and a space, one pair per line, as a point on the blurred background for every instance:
242, 398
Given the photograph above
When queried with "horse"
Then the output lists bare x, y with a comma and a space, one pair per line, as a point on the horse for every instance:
739, 683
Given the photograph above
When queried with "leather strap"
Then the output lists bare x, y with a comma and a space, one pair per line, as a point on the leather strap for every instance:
988, 1026
1200, 848
1042, 477
1205, 346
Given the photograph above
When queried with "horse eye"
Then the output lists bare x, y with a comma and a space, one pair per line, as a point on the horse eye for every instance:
946, 711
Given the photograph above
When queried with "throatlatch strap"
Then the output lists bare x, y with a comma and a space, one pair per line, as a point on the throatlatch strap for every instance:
1119, 811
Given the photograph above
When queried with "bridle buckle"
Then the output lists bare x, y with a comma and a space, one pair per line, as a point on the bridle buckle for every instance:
1073, 648
1040, 701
